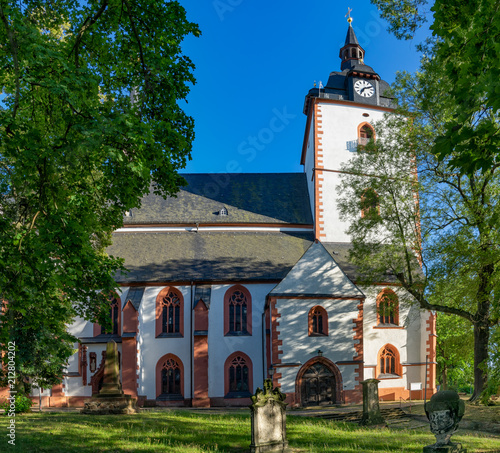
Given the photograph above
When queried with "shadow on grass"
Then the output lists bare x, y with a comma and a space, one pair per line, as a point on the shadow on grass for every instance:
187, 432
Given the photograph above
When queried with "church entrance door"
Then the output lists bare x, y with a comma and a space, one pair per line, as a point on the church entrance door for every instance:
318, 386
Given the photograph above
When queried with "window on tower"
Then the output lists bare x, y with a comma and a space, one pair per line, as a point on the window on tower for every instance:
370, 205
365, 134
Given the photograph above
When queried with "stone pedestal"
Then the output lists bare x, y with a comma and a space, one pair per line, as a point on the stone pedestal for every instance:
451, 448
111, 399
268, 419
371, 407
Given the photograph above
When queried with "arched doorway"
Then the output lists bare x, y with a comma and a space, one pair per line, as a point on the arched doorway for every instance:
319, 383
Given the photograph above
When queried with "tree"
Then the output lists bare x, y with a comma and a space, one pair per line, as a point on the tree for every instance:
455, 357
465, 52
89, 122
434, 229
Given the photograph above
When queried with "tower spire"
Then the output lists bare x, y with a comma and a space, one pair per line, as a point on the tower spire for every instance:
352, 53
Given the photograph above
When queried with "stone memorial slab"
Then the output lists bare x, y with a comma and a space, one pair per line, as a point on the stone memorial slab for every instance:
268, 419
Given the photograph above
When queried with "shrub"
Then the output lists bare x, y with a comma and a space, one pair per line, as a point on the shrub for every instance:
23, 404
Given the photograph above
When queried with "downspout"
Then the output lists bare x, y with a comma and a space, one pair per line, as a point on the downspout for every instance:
263, 346
191, 334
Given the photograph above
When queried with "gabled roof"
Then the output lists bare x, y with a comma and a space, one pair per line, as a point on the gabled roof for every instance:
317, 274
208, 256
276, 198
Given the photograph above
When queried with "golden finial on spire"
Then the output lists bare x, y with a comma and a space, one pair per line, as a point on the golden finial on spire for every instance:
349, 19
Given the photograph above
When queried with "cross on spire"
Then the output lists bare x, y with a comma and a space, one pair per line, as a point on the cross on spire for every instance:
349, 19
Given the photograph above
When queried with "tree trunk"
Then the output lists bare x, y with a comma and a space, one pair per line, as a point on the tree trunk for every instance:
481, 339
444, 378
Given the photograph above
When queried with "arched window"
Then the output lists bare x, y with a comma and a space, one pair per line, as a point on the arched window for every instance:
365, 134
318, 321
238, 375
387, 307
169, 313
115, 316
388, 362
237, 311
169, 378
370, 206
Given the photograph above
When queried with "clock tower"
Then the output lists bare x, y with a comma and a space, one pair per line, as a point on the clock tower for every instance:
339, 118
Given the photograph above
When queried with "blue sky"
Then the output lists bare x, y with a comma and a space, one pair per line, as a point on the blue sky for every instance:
255, 62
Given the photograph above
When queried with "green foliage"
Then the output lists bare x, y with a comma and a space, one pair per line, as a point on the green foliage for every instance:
435, 233
463, 58
22, 404
89, 122
404, 16
455, 357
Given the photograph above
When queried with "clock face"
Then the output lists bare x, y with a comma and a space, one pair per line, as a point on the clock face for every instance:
364, 88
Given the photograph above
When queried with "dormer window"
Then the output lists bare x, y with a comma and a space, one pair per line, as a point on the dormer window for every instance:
128, 213
223, 211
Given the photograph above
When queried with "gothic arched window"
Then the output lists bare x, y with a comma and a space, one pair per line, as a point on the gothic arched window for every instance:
387, 307
169, 313
388, 362
318, 321
115, 316
237, 311
169, 378
238, 375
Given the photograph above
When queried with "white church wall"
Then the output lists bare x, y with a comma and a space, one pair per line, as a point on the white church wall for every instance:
406, 338
220, 347
299, 347
153, 349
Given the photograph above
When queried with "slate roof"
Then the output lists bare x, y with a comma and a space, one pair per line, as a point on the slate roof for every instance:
134, 295
208, 256
317, 274
277, 198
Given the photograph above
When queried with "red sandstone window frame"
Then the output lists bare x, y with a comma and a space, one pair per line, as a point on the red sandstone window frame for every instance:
159, 367
366, 208
317, 322
117, 302
390, 317
362, 139
230, 363
228, 301
160, 302
388, 357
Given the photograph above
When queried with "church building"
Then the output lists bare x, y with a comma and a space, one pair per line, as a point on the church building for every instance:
244, 277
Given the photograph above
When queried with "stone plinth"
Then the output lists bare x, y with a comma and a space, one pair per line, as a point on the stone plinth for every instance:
371, 406
444, 411
451, 448
110, 399
268, 419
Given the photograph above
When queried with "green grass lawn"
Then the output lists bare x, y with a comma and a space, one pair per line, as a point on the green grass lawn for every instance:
183, 431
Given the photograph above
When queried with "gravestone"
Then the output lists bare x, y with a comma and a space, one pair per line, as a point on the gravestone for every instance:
268, 419
110, 399
371, 407
444, 411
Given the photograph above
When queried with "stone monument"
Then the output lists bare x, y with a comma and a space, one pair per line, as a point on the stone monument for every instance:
371, 407
444, 411
110, 399
268, 419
